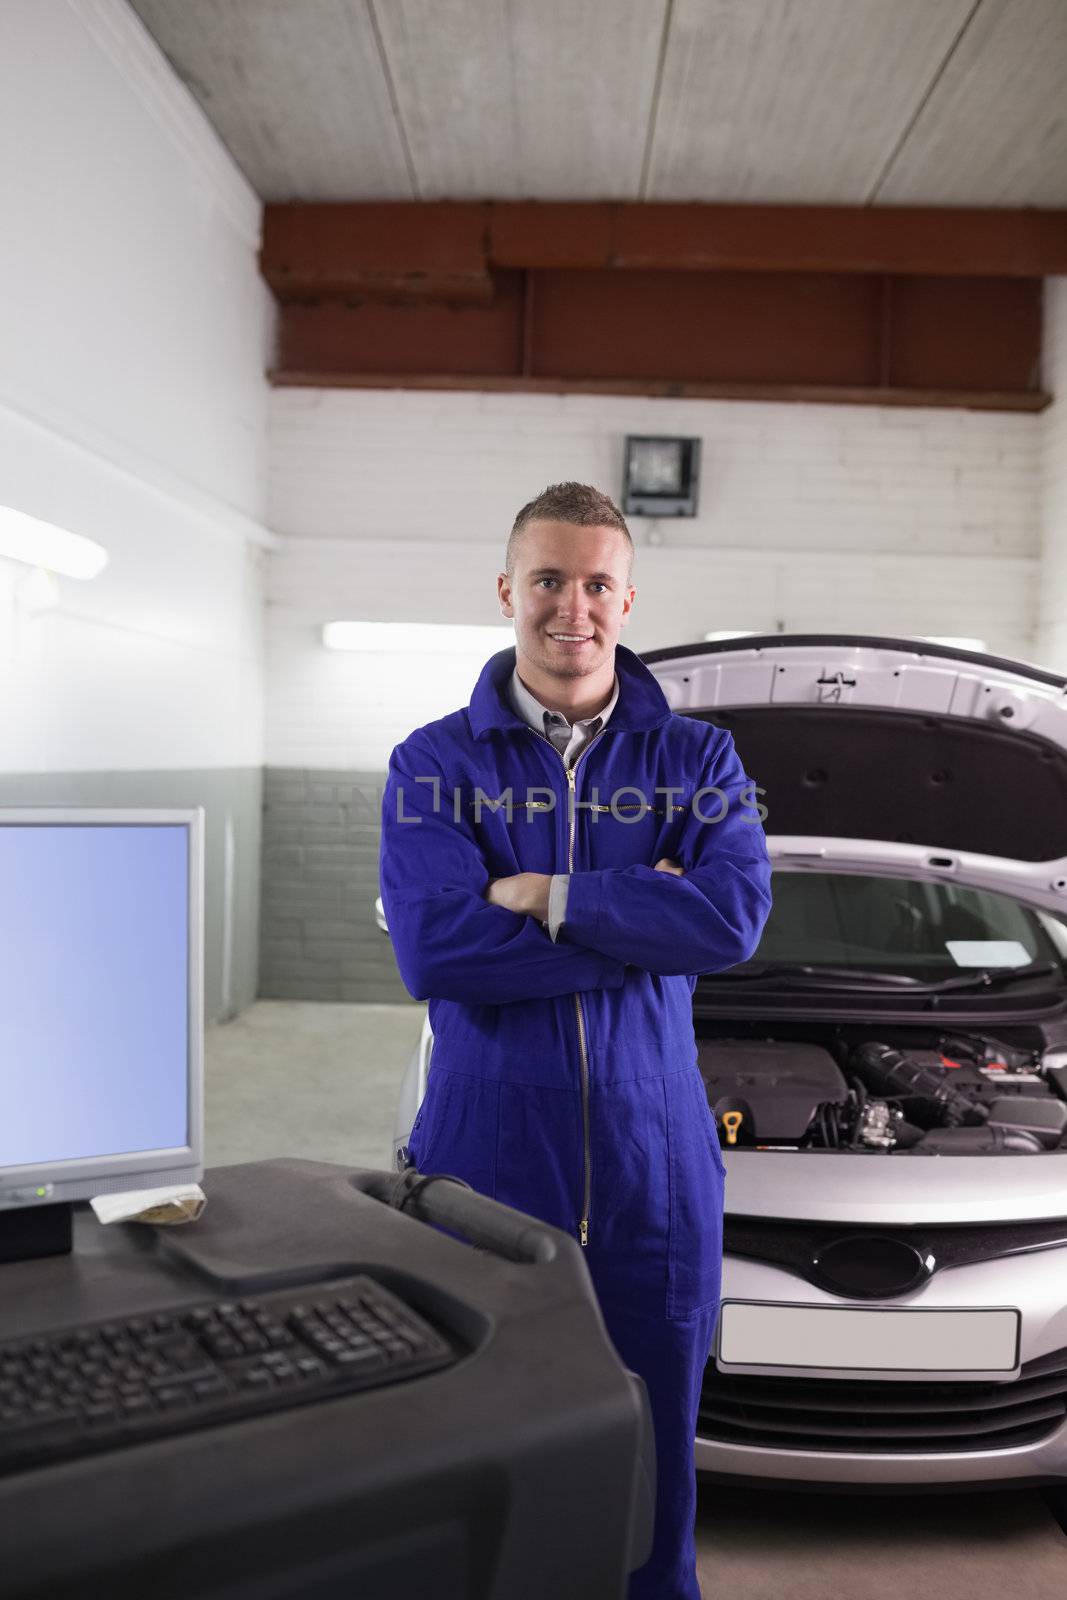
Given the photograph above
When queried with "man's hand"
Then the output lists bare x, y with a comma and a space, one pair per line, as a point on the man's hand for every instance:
665, 864
524, 892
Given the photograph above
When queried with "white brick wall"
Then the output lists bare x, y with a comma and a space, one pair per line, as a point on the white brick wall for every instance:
830, 518
360, 464
1052, 608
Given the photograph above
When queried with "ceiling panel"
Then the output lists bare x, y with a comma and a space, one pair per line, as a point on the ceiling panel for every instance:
524, 101
775, 100
804, 101
994, 132
297, 93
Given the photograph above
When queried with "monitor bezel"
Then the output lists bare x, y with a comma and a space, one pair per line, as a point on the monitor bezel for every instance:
85, 1177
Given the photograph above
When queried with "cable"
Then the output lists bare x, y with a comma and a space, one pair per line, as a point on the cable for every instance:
412, 1183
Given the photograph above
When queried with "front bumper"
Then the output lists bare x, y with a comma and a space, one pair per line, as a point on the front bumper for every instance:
1042, 1463
821, 1427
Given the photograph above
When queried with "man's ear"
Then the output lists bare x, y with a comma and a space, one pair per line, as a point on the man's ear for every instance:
627, 603
503, 591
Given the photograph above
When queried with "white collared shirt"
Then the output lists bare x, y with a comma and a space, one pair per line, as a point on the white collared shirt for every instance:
570, 739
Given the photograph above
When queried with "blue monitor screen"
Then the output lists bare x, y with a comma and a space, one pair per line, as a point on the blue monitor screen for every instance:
94, 1006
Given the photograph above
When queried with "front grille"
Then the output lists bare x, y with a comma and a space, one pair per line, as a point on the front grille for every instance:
794, 1245
879, 1418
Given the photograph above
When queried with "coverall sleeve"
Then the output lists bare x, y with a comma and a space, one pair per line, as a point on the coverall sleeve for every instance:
450, 943
710, 918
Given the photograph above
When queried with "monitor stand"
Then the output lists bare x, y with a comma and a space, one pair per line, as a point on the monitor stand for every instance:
27, 1232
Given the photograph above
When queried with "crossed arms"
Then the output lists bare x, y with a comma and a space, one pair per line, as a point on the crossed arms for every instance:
527, 892
459, 935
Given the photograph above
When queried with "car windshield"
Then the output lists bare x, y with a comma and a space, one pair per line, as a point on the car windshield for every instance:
922, 931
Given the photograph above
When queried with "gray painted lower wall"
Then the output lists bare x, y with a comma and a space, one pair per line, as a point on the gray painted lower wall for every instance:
230, 797
318, 936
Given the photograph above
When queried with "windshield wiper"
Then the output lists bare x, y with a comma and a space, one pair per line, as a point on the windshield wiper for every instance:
985, 979
789, 972
792, 975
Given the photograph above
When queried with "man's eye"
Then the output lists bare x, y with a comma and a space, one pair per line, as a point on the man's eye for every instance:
546, 580
599, 586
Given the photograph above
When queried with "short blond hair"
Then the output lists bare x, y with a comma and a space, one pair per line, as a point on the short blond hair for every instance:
577, 503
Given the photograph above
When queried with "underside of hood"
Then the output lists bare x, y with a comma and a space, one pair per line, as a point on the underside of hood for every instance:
905, 778
887, 739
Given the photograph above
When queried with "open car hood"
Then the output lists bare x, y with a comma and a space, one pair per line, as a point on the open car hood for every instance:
914, 759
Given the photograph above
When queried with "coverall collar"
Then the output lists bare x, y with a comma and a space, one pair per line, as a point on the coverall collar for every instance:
641, 704
538, 716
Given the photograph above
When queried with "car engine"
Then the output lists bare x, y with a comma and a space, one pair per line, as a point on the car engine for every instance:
967, 1094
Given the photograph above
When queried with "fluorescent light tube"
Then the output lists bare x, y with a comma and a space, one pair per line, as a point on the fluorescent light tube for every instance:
978, 646
42, 544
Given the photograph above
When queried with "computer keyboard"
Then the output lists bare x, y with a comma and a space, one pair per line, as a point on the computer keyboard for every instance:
107, 1384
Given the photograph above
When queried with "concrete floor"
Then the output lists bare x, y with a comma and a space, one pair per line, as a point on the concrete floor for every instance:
303, 1078
316, 1080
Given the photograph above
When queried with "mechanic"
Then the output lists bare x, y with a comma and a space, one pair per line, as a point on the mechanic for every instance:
560, 860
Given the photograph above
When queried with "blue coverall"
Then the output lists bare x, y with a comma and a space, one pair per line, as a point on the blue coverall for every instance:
564, 1078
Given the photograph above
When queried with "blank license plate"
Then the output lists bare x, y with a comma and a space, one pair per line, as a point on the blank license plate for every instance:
755, 1334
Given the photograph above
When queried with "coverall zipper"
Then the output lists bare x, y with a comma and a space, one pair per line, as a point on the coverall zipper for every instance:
583, 1059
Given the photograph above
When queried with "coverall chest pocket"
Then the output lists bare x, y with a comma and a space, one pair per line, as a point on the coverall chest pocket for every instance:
629, 829
695, 1168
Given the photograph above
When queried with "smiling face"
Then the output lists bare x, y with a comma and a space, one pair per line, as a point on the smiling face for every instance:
570, 597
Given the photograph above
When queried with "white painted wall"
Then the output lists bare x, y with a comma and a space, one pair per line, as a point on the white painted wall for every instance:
396, 506
135, 333
1052, 590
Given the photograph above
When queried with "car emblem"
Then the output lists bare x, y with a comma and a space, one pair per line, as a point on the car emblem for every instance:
870, 1265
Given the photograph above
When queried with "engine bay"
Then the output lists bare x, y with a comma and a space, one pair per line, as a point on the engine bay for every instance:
938, 1094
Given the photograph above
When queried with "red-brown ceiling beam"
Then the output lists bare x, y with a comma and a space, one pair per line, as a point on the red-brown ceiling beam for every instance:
446, 250
931, 241
895, 306
889, 341
387, 251
779, 393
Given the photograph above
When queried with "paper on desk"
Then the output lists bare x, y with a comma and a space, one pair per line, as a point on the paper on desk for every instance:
183, 1203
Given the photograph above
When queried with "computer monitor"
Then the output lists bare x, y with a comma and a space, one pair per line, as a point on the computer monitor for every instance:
101, 1005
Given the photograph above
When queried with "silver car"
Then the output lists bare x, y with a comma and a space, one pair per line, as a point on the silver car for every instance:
889, 1070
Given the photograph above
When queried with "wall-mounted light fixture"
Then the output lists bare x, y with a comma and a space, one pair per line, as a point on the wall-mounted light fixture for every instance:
661, 476
42, 544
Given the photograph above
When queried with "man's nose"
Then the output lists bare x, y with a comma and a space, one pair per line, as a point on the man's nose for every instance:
573, 603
